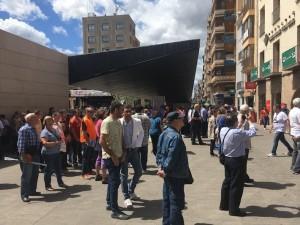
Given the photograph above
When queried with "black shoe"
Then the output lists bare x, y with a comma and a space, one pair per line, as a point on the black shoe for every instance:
249, 180
63, 185
223, 209
98, 178
239, 214
119, 215
202, 143
36, 194
108, 208
25, 199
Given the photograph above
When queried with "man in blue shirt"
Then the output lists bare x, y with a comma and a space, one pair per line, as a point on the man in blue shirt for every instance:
173, 166
28, 147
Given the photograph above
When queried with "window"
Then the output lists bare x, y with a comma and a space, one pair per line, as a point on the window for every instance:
120, 26
276, 11
120, 38
91, 50
262, 22
91, 39
91, 27
105, 26
105, 39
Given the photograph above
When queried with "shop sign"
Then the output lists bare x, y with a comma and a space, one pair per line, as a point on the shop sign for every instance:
266, 69
250, 85
254, 74
289, 58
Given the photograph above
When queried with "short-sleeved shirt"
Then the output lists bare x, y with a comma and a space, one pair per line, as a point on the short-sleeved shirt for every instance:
75, 124
98, 127
279, 121
90, 126
50, 136
295, 121
113, 129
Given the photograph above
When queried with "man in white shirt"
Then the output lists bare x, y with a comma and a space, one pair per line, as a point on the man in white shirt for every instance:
294, 117
280, 121
133, 135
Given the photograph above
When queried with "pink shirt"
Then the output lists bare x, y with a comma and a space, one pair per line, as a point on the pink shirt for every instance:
98, 127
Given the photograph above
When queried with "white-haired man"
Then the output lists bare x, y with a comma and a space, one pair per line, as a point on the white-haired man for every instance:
294, 117
28, 147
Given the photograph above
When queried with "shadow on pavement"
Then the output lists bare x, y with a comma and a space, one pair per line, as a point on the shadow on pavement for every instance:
147, 209
7, 163
270, 185
64, 194
73, 173
150, 173
8, 186
191, 153
203, 224
276, 211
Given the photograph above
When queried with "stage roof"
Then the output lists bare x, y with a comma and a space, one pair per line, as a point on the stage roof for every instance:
159, 70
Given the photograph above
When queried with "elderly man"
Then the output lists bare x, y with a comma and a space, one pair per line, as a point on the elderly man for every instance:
173, 166
28, 147
294, 118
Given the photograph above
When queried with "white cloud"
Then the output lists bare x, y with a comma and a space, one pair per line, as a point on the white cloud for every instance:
65, 51
22, 9
59, 30
24, 30
158, 21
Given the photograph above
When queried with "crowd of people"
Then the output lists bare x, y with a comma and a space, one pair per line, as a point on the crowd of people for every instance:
108, 141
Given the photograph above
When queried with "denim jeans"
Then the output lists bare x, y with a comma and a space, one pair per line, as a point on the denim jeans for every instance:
29, 178
296, 157
154, 140
87, 156
113, 185
173, 201
280, 137
76, 154
133, 158
143, 151
53, 162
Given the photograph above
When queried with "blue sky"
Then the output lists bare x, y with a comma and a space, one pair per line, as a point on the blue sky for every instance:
57, 23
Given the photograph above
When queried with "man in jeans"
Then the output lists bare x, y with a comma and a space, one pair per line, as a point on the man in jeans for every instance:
133, 135
28, 147
113, 155
294, 117
143, 151
280, 121
173, 166
75, 124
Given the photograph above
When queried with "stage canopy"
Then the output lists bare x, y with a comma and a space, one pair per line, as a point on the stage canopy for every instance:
160, 70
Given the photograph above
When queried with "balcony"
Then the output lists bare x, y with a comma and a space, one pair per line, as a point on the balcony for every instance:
218, 28
229, 39
217, 63
229, 62
229, 16
291, 58
248, 7
276, 15
223, 79
262, 28
247, 64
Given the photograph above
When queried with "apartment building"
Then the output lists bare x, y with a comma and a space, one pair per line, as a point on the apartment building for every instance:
106, 33
278, 70
246, 49
219, 59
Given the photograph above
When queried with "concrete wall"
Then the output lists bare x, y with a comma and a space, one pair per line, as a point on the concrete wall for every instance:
31, 76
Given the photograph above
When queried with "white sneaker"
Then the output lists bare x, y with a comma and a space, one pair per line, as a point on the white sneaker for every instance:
133, 196
128, 204
271, 155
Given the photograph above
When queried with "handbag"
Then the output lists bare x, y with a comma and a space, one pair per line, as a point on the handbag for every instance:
222, 155
189, 179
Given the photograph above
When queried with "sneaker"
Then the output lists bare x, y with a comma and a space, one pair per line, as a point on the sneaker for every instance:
133, 196
25, 199
119, 215
271, 155
128, 204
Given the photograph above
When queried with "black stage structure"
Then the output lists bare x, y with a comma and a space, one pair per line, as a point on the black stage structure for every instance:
160, 70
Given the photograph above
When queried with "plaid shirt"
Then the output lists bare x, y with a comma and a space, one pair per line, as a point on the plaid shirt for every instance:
27, 138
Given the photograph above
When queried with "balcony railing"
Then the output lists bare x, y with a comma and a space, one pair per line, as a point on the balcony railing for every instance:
276, 15
223, 79
262, 28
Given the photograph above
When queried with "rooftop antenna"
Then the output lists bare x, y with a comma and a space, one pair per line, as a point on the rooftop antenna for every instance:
90, 8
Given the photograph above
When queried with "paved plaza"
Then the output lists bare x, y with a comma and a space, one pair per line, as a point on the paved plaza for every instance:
274, 199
